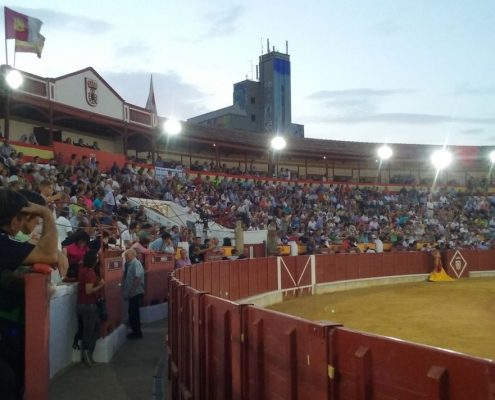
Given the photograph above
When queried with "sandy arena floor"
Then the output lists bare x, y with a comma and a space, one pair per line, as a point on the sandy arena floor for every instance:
458, 315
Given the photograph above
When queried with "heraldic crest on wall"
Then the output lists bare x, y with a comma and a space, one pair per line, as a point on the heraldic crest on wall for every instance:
91, 91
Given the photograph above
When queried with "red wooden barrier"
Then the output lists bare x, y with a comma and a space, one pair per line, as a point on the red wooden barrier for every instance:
222, 350
285, 357
111, 270
375, 367
37, 336
157, 268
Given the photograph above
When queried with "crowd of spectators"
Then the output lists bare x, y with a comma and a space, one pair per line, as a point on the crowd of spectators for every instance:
317, 215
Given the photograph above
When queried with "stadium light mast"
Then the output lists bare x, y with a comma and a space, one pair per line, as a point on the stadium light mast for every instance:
384, 153
441, 159
491, 156
172, 127
13, 80
277, 144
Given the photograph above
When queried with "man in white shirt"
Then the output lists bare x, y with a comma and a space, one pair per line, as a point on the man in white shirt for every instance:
378, 245
64, 227
129, 236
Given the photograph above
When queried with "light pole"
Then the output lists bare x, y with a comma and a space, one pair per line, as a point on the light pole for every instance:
491, 156
440, 159
278, 143
170, 127
13, 81
384, 153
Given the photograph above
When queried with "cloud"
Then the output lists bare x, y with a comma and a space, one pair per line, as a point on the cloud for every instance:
223, 22
361, 92
354, 103
467, 90
402, 118
386, 27
131, 49
475, 131
173, 96
60, 21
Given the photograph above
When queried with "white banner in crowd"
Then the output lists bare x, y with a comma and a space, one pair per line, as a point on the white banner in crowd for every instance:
161, 173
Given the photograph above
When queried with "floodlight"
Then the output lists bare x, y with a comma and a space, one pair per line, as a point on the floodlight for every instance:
278, 143
172, 127
492, 156
384, 152
441, 159
14, 78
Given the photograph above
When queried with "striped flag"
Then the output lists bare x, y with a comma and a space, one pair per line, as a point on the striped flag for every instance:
25, 30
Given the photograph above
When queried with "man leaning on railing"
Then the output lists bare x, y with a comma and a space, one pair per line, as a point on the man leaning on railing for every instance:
15, 211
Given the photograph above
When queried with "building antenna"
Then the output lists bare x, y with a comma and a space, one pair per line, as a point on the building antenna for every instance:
287, 47
261, 39
267, 45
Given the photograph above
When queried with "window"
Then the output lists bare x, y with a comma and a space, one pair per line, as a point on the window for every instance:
253, 100
253, 117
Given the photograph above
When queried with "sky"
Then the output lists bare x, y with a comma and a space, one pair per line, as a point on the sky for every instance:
382, 71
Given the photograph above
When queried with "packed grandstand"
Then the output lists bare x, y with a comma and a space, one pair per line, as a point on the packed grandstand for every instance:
316, 214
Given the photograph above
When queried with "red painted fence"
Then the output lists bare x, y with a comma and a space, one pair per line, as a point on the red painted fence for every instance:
220, 349
37, 336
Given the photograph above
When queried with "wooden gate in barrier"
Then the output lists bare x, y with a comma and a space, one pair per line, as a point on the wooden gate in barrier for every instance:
296, 275
111, 270
157, 269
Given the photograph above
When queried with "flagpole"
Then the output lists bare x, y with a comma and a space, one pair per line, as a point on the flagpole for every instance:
6, 52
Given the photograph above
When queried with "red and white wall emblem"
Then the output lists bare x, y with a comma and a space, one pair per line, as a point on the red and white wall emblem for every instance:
458, 264
91, 91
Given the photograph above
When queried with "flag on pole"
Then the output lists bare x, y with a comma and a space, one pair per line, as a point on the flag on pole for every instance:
25, 30
151, 103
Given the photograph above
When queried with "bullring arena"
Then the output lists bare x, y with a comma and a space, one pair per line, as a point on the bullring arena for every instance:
318, 238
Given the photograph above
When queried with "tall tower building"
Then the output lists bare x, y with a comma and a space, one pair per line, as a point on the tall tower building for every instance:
275, 89
262, 106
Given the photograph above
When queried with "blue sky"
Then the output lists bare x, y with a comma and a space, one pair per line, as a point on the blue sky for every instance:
392, 71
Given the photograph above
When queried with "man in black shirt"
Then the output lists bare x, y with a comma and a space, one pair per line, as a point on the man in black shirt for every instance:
15, 210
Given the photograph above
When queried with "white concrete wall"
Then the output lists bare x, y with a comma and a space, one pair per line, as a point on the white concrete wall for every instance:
63, 326
18, 128
71, 91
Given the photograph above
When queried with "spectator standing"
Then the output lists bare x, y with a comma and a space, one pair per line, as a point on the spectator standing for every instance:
129, 236
75, 252
133, 289
87, 310
163, 244
64, 227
